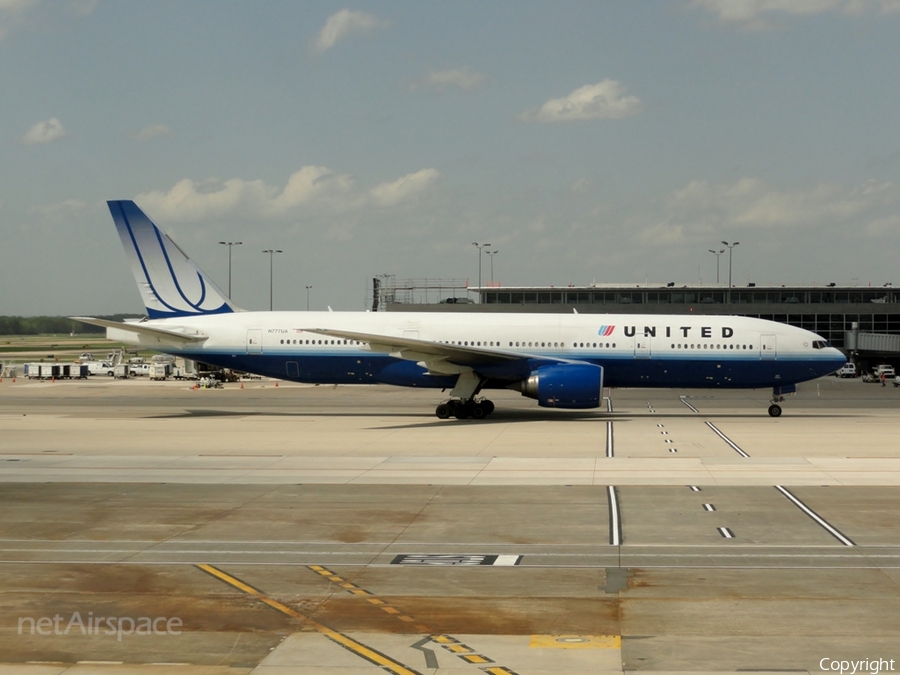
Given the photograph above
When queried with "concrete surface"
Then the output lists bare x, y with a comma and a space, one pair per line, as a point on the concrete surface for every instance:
269, 521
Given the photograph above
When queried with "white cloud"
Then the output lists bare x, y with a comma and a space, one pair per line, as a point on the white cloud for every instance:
604, 100
60, 211
12, 14
82, 7
44, 132
311, 190
344, 23
16, 13
442, 79
703, 211
581, 186
758, 14
153, 131
403, 189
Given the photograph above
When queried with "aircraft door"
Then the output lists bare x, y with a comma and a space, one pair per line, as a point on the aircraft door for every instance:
254, 340
642, 346
768, 347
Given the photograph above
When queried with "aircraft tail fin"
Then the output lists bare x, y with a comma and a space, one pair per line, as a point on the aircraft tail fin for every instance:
170, 282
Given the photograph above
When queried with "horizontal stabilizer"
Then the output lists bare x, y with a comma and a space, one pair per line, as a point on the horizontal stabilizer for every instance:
145, 335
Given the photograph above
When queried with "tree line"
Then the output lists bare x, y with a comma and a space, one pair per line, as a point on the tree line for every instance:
39, 325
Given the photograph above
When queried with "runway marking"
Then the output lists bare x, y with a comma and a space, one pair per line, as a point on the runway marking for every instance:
709, 507
430, 659
694, 488
448, 642
833, 531
615, 518
354, 646
448, 559
684, 400
725, 438
609, 407
726, 532
576, 642
609, 439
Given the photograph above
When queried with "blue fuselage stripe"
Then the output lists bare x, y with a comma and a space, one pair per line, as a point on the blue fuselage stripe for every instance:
358, 367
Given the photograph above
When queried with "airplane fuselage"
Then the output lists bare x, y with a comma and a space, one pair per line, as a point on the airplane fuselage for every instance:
560, 360
633, 350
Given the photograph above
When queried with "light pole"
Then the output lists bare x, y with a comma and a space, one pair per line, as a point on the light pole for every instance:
492, 254
271, 252
730, 253
480, 247
717, 254
229, 244
307, 297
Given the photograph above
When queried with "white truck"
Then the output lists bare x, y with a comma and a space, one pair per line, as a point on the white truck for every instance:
159, 371
99, 368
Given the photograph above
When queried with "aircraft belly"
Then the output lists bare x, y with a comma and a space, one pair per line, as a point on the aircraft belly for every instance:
327, 369
709, 373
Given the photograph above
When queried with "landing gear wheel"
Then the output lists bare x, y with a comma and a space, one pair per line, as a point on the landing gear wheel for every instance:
463, 411
489, 406
443, 411
775, 410
479, 411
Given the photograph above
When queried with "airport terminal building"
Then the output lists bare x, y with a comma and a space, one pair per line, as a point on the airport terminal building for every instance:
862, 321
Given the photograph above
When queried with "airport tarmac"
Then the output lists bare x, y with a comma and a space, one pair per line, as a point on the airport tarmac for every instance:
299, 529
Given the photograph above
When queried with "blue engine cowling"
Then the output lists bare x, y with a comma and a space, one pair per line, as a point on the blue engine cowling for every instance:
575, 385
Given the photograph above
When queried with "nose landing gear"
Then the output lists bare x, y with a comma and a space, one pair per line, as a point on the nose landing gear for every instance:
778, 396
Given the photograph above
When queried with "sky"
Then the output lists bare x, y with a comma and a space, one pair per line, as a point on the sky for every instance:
587, 142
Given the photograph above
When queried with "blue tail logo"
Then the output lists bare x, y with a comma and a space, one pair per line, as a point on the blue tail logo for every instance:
170, 283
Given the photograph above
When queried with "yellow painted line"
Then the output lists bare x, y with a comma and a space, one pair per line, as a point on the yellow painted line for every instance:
448, 642
444, 639
459, 649
576, 641
348, 643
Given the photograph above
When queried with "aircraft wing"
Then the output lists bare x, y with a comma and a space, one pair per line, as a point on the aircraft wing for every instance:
444, 359
145, 334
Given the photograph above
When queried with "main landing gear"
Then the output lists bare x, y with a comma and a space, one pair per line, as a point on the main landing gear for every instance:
478, 409
774, 408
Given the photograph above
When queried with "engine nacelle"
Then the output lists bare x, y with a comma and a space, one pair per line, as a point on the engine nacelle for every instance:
575, 385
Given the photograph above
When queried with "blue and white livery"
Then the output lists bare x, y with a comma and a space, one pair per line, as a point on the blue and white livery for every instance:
562, 360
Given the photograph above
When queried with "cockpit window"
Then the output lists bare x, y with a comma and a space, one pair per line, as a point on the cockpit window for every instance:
820, 344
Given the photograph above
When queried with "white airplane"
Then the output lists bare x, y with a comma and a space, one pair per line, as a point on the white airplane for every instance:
562, 360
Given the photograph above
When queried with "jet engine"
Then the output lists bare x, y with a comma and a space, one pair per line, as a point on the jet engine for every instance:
575, 385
